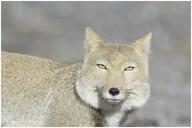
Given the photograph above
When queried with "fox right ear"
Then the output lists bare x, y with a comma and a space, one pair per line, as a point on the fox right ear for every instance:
92, 40
143, 44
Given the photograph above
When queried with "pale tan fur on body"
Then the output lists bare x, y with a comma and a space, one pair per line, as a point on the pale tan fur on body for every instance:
40, 92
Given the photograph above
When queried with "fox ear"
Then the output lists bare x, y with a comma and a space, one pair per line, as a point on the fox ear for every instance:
92, 40
143, 44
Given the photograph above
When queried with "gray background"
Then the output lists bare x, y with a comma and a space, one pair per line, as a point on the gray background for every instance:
56, 30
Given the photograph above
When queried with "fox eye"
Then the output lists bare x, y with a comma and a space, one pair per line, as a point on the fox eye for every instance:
129, 68
102, 66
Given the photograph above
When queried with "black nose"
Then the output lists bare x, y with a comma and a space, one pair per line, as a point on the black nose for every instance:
114, 91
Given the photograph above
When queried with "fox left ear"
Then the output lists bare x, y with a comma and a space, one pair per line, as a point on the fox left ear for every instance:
143, 44
92, 40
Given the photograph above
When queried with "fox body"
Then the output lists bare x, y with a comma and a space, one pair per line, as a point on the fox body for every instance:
111, 81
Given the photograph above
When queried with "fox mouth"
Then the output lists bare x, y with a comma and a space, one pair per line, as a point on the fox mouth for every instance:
109, 100
113, 101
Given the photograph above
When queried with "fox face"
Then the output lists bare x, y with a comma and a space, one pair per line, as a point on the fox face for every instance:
114, 74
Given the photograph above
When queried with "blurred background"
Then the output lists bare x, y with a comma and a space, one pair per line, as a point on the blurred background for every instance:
55, 30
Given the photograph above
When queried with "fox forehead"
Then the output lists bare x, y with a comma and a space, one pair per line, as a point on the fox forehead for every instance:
115, 55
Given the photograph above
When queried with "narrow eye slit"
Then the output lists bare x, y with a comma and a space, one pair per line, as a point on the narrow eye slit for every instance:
129, 68
102, 66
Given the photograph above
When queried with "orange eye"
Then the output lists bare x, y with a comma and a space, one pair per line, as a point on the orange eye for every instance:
129, 68
101, 66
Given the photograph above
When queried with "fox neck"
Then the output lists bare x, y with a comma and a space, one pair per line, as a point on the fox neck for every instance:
113, 118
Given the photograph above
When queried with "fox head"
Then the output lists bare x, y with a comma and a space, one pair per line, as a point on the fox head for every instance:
114, 74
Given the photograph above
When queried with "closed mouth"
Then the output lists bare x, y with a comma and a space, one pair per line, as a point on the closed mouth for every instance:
113, 101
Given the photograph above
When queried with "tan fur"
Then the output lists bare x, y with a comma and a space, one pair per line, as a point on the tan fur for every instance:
41, 92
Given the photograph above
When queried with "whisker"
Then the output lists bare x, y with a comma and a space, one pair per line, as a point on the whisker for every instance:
130, 92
